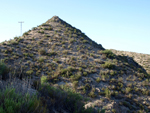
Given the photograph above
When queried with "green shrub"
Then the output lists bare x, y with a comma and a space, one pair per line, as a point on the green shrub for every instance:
80, 69
52, 53
12, 102
67, 72
85, 41
36, 84
43, 79
42, 32
113, 110
42, 52
81, 38
34, 28
39, 42
128, 89
29, 72
107, 93
78, 48
85, 73
64, 97
98, 79
50, 28
14, 42
75, 84
112, 73
16, 38
41, 59
108, 53
44, 24
4, 70
26, 33
19, 39
71, 40
56, 60
108, 65
91, 54
65, 52
92, 93
76, 77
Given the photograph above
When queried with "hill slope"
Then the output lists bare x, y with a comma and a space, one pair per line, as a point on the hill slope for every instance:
141, 59
69, 59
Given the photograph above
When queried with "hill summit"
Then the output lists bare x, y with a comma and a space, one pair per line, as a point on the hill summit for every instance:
71, 72
55, 19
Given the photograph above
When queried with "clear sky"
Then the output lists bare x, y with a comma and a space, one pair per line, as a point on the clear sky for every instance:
116, 24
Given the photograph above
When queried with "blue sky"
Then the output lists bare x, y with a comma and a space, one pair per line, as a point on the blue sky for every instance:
116, 24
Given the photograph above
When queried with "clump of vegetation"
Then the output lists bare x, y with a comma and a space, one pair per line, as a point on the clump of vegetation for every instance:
64, 97
75, 84
76, 76
41, 59
14, 42
108, 65
44, 24
26, 33
66, 72
12, 102
107, 93
42, 32
3, 70
92, 93
42, 52
98, 79
56, 60
85, 41
85, 73
108, 53
52, 53
50, 28
29, 72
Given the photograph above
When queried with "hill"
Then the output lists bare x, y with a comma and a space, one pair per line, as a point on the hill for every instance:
70, 72
141, 59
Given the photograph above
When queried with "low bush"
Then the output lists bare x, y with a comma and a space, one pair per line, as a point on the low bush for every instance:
29, 72
12, 102
66, 72
98, 79
41, 59
108, 65
52, 53
3, 70
107, 93
50, 28
84, 41
63, 99
108, 53
92, 93
26, 33
42, 32
42, 52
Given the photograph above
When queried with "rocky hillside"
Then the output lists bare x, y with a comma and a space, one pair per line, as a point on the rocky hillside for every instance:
141, 59
67, 59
